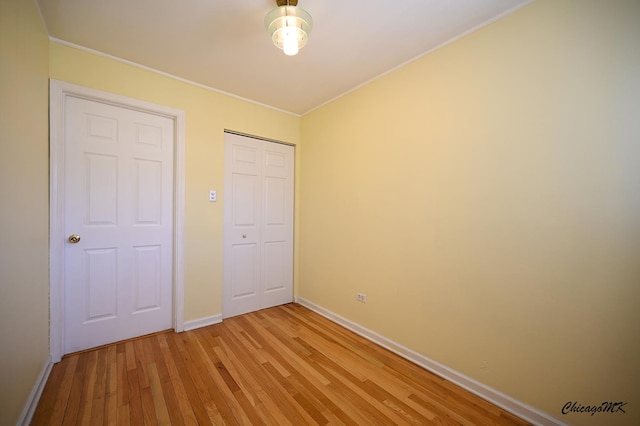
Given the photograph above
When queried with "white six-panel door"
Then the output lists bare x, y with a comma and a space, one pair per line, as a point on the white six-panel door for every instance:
258, 216
118, 199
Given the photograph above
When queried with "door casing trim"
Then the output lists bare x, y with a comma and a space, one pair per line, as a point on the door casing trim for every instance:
59, 91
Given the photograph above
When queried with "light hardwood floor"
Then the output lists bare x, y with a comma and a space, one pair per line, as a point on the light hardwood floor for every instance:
280, 366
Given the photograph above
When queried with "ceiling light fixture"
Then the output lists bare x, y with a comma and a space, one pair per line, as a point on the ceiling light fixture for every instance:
289, 26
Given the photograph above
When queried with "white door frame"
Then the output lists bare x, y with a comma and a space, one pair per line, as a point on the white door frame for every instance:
59, 91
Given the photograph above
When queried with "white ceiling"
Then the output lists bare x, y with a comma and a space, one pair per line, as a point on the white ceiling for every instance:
225, 46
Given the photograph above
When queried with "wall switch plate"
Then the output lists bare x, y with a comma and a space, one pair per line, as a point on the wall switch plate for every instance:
361, 297
213, 195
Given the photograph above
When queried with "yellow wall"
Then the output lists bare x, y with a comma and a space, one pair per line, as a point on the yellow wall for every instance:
486, 198
24, 192
208, 113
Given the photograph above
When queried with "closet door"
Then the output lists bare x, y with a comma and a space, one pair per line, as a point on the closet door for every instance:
258, 224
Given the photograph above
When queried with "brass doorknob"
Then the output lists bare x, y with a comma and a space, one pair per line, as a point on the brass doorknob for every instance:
244, 235
74, 238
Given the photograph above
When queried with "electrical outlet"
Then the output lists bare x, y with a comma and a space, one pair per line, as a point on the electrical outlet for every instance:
361, 297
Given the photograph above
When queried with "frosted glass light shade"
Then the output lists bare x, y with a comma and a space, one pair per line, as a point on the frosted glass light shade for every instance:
289, 28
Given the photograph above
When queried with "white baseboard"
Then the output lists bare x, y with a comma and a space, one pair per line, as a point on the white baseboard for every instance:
518, 408
34, 397
202, 322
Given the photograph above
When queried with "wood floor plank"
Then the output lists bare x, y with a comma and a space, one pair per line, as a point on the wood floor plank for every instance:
196, 401
97, 405
343, 384
341, 402
260, 370
160, 405
248, 379
148, 407
280, 366
292, 360
64, 391
134, 401
219, 408
75, 395
111, 390
306, 411
84, 414
124, 417
292, 353
164, 385
205, 390
183, 410
131, 355
53, 396
122, 387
